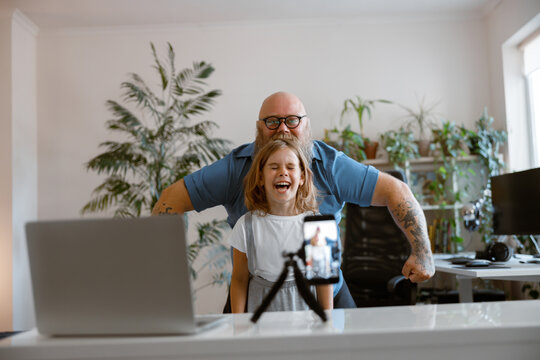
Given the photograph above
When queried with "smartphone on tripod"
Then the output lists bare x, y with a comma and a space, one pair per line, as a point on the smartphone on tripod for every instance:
321, 249
320, 252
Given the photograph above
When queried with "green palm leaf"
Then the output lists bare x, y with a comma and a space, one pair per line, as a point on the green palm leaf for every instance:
160, 68
154, 155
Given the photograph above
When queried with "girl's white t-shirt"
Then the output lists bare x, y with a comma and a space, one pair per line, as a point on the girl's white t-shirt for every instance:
272, 234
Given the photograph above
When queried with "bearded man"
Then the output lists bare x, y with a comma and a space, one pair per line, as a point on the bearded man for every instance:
338, 178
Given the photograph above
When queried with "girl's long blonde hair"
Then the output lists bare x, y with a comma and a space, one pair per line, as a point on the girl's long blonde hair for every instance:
255, 196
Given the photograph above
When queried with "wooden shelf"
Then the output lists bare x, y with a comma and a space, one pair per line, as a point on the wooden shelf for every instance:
442, 207
420, 164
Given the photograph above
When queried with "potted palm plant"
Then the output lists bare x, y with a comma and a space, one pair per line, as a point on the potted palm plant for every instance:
363, 107
421, 119
159, 146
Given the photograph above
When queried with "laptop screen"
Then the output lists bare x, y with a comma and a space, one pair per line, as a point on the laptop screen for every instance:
111, 276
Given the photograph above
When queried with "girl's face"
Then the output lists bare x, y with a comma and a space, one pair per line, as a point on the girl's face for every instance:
282, 176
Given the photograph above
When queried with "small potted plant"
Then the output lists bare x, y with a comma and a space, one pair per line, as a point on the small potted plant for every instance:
448, 140
361, 107
400, 145
421, 119
346, 140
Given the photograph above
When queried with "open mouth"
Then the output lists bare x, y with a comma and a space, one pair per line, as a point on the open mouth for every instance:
282, 186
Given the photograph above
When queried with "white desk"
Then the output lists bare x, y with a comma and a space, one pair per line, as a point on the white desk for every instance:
495, 330
517, 271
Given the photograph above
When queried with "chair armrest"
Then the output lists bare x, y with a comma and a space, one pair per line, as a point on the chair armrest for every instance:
403, 289
394, 282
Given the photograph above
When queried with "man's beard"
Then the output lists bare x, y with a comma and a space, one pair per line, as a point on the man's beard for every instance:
306, 144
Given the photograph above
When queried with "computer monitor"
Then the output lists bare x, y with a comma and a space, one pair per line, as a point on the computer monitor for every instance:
516, 203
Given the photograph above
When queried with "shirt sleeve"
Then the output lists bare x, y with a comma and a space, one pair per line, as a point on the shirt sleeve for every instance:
209, 186
237, 237
354, 182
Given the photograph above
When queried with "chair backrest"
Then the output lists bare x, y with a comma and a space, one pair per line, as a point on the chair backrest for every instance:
375, 250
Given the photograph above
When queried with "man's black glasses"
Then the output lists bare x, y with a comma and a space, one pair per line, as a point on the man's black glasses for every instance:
291, 121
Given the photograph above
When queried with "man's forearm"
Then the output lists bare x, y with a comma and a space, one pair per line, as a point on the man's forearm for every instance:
173, 200
409, 216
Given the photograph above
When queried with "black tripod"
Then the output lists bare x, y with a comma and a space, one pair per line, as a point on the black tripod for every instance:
300, 283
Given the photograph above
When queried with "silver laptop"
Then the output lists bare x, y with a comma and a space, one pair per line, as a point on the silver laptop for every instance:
112, 277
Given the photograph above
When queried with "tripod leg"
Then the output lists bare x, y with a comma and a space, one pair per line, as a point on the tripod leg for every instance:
306, 294
270, 296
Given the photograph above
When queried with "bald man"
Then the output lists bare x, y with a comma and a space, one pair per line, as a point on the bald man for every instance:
338, 178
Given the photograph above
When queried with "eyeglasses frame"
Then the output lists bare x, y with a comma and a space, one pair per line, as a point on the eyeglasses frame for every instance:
282, 119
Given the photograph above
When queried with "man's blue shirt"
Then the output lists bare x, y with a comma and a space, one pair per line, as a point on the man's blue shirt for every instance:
338, 178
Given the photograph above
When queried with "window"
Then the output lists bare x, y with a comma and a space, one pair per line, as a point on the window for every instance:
531, 67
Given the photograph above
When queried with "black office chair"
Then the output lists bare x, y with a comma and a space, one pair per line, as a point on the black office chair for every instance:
374, 253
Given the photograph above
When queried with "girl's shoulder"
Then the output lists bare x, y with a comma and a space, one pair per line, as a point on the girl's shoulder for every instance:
240, 223
250, 217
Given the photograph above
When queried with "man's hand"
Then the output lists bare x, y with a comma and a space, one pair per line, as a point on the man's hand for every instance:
418, 269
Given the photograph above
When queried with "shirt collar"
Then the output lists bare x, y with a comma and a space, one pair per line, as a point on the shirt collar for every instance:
246, 151
316, 151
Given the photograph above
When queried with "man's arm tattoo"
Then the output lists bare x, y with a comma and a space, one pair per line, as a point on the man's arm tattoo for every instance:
410, 217
164, 209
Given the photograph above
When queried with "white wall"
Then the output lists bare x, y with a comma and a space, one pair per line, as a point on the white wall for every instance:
24, 167
509, 23
443, 59
323, 63
6, 288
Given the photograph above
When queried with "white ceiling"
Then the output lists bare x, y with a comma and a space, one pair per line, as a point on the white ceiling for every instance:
105, 13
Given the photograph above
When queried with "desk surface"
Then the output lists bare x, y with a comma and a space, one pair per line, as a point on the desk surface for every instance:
514, 269
497, 330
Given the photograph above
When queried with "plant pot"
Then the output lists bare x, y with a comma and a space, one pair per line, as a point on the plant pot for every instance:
423, 147
371, 149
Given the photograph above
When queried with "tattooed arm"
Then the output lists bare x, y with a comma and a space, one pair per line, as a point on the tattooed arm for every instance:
408, 215
173, 200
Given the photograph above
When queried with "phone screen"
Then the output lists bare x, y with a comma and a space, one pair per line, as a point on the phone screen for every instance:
321, 249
